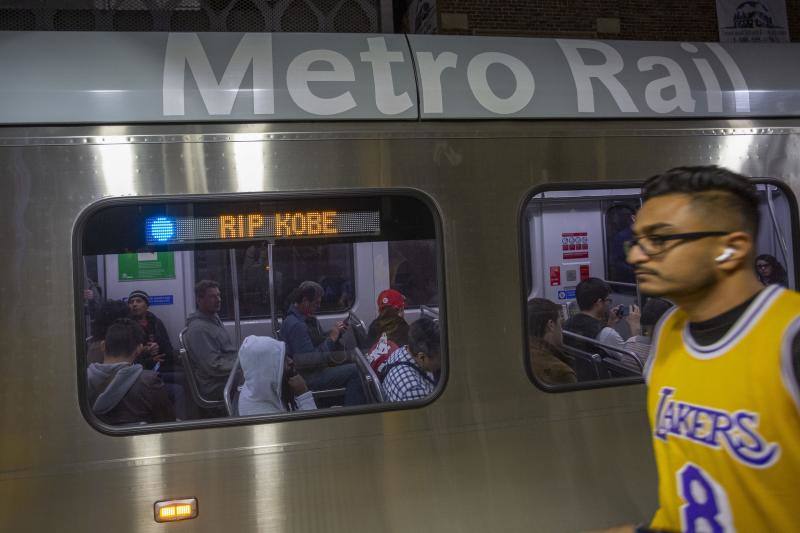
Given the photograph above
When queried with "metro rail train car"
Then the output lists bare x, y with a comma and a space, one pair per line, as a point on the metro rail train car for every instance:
471, 174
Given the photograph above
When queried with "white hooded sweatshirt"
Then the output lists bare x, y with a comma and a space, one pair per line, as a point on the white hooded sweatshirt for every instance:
262, 360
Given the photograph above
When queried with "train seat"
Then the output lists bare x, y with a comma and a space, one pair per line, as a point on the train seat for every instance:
588, 365
369, 379
199, 400
616, 369
233, 387
356, 335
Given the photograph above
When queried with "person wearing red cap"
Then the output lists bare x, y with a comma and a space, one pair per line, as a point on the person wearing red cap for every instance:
391, 305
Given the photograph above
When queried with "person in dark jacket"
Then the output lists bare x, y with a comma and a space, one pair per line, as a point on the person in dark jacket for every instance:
391, 306
318, 357
158, 348
211, 351
548, 360
121, 391
770, 271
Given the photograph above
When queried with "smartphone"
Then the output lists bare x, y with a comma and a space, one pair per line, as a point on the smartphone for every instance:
157, 366
622, 310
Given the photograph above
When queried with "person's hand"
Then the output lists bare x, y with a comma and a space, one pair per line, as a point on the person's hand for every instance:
88, 294
153, 348
297, 385
337, 331
159, 358
634, 320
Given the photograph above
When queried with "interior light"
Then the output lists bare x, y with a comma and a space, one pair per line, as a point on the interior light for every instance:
174, 510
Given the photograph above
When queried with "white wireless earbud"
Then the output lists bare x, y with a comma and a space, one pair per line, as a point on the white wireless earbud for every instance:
725, 255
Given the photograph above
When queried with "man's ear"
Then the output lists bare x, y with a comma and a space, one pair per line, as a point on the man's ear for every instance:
737, 247
551, 325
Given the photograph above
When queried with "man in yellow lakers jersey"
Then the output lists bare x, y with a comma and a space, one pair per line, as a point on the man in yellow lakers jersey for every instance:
723, 393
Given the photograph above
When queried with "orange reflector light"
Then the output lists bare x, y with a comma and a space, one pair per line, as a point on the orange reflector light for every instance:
173, 510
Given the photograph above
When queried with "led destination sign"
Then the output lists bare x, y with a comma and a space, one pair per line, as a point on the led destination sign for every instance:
165, 229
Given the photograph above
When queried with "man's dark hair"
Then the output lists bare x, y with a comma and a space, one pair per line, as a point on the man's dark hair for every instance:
654, 309
540, 312
589, 291
109, 312
423, 336
308, 290
202, 286
123, 337
712, 189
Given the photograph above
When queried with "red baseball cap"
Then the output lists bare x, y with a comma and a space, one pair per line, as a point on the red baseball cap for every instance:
391, 298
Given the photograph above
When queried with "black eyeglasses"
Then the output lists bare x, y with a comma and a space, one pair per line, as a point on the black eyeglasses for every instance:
652, 245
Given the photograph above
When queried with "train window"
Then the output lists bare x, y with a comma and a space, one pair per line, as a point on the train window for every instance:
234, 311
331, 265
412, 267
576, 235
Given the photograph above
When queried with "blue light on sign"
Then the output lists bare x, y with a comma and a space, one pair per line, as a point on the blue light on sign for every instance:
160, 229
568, 294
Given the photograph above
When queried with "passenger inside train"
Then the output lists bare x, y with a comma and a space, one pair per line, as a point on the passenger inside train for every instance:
770, 270
597, 318
412, 371
119, 390
211, 352
391, 320
271, 382
158, 350
320, 357
548, 359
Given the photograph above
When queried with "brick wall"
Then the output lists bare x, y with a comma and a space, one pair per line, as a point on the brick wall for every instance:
657, 20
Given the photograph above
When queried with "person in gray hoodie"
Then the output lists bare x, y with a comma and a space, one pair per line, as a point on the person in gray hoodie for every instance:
120, 391
210, 348
271, 384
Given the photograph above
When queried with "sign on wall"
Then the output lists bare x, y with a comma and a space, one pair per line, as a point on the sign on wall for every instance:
752, 21
574, 245
138, 267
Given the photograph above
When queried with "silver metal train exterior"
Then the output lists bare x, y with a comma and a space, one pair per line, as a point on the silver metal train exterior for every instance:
493, 452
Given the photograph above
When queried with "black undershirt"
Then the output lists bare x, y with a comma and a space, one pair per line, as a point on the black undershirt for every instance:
712, 330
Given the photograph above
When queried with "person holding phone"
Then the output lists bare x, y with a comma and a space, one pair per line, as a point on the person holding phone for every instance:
598, 317
319, 356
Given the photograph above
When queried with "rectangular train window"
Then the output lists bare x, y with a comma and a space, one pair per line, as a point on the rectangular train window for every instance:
211, 311
573, 235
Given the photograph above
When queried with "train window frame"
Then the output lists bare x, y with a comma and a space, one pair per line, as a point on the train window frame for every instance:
82, 331
526, 268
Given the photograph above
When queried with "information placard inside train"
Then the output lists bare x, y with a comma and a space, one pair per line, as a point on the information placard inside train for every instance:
255, 225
